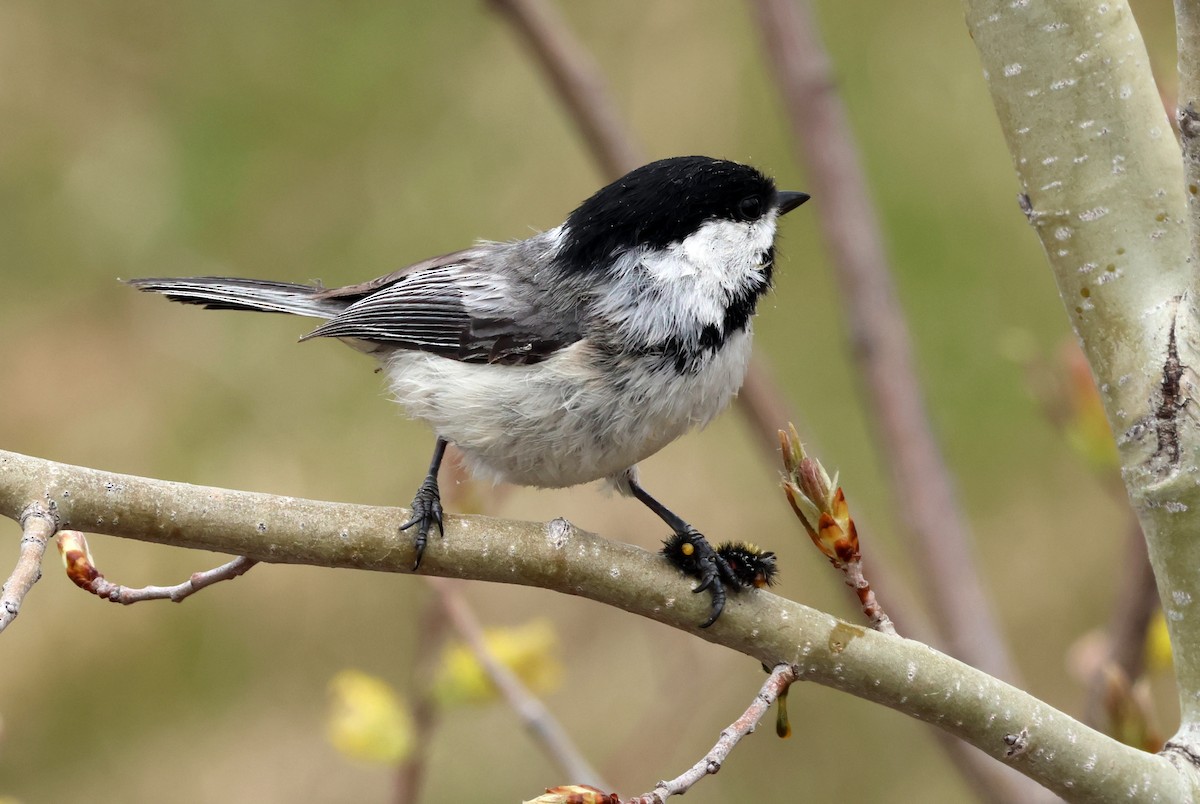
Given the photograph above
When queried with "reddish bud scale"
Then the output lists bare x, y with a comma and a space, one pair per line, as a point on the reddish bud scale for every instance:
576, 794
792, 493
841, 546
77, 559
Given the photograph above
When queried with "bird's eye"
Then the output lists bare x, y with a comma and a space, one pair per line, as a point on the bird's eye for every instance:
750, 208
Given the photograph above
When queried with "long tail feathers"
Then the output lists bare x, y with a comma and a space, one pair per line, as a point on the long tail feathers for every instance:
231, 293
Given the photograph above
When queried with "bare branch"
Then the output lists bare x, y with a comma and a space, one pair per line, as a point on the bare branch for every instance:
776, 684
1134, 607
37, 526
907, 676
923, 492
534, 715
536, 718
874, 612
763, 405
759, 401
77, 558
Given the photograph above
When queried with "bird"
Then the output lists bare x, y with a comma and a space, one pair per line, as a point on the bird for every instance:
574, 354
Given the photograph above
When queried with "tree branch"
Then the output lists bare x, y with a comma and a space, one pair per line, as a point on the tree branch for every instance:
1005, 722
37, 526
410, 774
776, 684
83, 572
1103, 185
1187, 115
760, 402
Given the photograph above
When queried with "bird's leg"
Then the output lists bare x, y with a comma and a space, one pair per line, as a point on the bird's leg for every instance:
427, 505
712, 570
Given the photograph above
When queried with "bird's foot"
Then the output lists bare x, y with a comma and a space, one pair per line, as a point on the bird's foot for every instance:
691, 552
426, 512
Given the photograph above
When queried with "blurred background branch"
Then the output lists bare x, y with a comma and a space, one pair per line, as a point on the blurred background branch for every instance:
542, 726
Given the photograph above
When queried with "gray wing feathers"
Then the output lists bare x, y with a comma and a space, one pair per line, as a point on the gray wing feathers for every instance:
455, 311
231, 293
463, 257
421, 310
460, 305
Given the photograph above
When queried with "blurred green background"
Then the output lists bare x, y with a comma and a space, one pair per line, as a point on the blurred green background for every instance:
298, 141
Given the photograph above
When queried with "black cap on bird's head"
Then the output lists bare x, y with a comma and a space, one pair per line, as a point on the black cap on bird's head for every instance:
665, 201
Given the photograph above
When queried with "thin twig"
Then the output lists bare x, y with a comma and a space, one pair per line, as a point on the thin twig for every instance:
763, 405
875, 614
582, 90
924, 495
82, 570
780, 679
37, 526
922, 489
534, 715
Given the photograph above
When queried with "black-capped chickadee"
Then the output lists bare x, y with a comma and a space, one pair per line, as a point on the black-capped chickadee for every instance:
572, 355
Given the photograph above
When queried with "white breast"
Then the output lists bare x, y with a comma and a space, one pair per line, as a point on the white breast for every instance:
559, 422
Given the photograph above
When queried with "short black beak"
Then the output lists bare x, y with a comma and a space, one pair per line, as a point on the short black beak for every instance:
789, 201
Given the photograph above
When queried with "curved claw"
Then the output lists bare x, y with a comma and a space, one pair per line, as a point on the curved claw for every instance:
712, 569
718, 607
712, 581
427, 512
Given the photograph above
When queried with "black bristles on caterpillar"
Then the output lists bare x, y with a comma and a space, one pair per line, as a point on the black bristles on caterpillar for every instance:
680, 552
752, 566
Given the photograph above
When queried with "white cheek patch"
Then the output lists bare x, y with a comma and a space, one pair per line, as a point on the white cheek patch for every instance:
675, 292
727, 254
